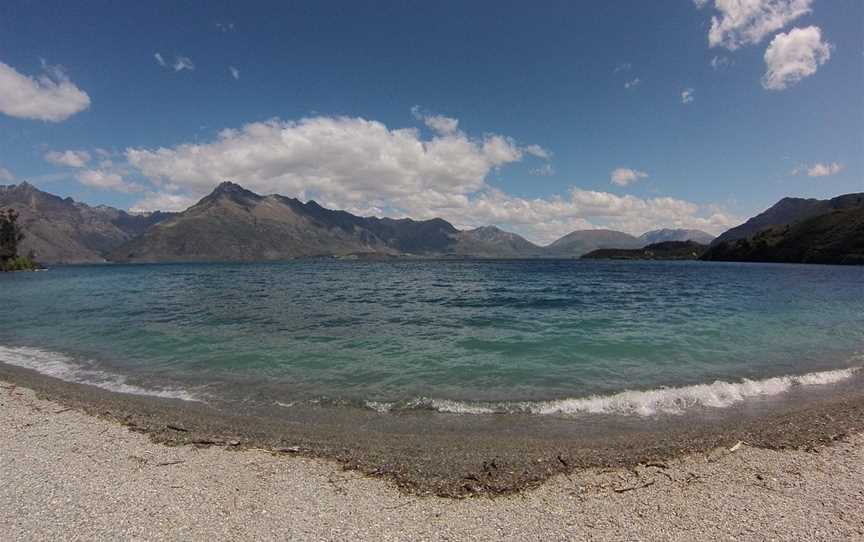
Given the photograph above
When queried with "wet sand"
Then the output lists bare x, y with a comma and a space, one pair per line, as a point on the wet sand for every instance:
66, 475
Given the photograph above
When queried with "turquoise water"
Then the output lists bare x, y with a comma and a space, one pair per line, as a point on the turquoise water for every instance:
473, 337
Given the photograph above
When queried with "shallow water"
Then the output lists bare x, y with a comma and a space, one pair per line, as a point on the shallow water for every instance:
544, 337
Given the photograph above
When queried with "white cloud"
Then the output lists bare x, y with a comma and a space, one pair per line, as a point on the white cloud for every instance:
743, 22
544, 220
154, 201
538, 151
6, 175
623, 67
623, 176
106, 180
719, 62
545, 170
68, 158
824, 170
700, 3
687, 96
793, 56
366, 168
183, 63
632, 83
439, 123
180, 62
235, 73
50, 97
225, 27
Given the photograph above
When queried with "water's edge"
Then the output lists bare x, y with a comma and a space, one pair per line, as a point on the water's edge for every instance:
428, 452
632, 402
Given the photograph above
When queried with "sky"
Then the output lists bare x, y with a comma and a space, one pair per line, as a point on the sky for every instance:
540, 118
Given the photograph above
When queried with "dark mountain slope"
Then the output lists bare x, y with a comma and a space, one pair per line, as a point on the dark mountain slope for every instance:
62, 230
835, 237
787, 211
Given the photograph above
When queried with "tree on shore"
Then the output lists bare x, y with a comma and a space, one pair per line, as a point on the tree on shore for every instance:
10, 236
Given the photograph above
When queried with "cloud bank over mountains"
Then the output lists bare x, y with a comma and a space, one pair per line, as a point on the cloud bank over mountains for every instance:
367, 168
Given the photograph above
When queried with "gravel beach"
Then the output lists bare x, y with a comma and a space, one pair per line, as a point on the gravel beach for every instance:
65, 475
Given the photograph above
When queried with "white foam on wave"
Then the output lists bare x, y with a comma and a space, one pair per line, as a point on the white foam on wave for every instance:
719, 394
63, 367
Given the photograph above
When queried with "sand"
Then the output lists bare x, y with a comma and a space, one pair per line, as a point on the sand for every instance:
65, 475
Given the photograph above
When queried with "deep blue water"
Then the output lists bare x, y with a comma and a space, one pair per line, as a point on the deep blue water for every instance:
469, 336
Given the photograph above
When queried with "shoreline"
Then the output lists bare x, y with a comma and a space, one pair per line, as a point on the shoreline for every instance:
448, 455
67, 472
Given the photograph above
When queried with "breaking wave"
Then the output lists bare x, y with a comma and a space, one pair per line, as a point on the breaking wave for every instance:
719, 394
65, 368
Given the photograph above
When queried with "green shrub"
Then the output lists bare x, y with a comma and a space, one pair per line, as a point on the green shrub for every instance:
19, 263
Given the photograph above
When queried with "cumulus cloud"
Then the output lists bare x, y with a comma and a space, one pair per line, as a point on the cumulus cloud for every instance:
687, 96
180, 62
50, 97
68, 158
623, 67
366, 168
623, 176
235, 73
793, 56
632, 83
106, 180
6, 175
744, 22
824, 170
700, 3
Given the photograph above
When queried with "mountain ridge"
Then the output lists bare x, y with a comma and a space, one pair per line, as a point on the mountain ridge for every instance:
233, 223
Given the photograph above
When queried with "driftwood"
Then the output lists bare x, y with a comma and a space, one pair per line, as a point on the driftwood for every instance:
166, 463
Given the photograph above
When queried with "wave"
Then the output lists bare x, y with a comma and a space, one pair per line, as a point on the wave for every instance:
63, 367
719, 394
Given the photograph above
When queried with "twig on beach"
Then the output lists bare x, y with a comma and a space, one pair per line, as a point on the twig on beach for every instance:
177, 428
657, 464
404, 504
737, 446
631, 488
166, 463
62, 410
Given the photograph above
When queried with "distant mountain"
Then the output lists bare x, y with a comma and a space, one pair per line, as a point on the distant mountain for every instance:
834, 237
233, 223
659, 236
787, 211
491, 242
62, 230
577, 243
665, 250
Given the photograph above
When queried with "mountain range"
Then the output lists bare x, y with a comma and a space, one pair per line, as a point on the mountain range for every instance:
235, 224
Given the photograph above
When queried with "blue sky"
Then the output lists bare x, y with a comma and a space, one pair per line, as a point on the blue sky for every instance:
538, 117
